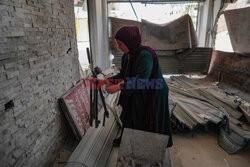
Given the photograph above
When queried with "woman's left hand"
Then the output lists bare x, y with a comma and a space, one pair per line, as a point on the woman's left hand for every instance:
113, 89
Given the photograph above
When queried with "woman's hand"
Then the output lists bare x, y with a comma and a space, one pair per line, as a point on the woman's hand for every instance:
105, 81
113, 89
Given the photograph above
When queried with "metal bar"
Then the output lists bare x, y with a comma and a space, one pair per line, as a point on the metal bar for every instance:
133, 9
91, 106
106, 113
96, 105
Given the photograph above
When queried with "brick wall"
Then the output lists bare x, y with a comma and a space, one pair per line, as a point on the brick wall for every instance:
36, 70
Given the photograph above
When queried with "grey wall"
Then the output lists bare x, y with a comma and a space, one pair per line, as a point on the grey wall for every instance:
35, 71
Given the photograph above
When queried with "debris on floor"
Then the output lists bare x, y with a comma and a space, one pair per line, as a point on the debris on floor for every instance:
200, 103
198, 148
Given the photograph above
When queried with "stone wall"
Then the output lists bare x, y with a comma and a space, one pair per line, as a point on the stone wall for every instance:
37, 66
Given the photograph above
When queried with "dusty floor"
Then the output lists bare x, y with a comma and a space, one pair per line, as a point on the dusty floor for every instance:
202, 150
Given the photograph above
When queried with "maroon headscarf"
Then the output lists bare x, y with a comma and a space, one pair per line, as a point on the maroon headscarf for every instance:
131, 37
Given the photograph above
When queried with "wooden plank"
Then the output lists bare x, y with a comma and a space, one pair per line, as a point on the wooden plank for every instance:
184, 118
190, 113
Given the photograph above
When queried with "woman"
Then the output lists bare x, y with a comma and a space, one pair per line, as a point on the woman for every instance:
145, 106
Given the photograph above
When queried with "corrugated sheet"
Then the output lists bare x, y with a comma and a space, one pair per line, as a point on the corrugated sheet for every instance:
192, 60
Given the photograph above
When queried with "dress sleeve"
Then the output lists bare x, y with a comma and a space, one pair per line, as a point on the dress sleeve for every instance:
143, 71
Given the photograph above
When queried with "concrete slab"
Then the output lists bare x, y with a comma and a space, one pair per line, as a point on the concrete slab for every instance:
142, 147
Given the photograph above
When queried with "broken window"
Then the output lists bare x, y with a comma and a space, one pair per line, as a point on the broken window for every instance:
154, 12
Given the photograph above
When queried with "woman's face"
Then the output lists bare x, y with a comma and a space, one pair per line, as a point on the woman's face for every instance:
122, 46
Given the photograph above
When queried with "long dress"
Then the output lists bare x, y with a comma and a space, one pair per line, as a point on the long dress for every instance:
134, 114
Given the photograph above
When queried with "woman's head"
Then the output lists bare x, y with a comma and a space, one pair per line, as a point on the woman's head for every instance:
129, 36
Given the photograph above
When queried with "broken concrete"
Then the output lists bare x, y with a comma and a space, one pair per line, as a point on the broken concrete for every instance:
143, 149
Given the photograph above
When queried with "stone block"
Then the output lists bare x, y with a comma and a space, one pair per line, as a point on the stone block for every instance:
10, 65
143, 148
13, 32
6, 2
12, 74
6, 20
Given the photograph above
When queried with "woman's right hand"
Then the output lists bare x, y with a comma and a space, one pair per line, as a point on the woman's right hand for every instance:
105, 81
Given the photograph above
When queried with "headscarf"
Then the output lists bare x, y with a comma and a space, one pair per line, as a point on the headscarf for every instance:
131, 37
